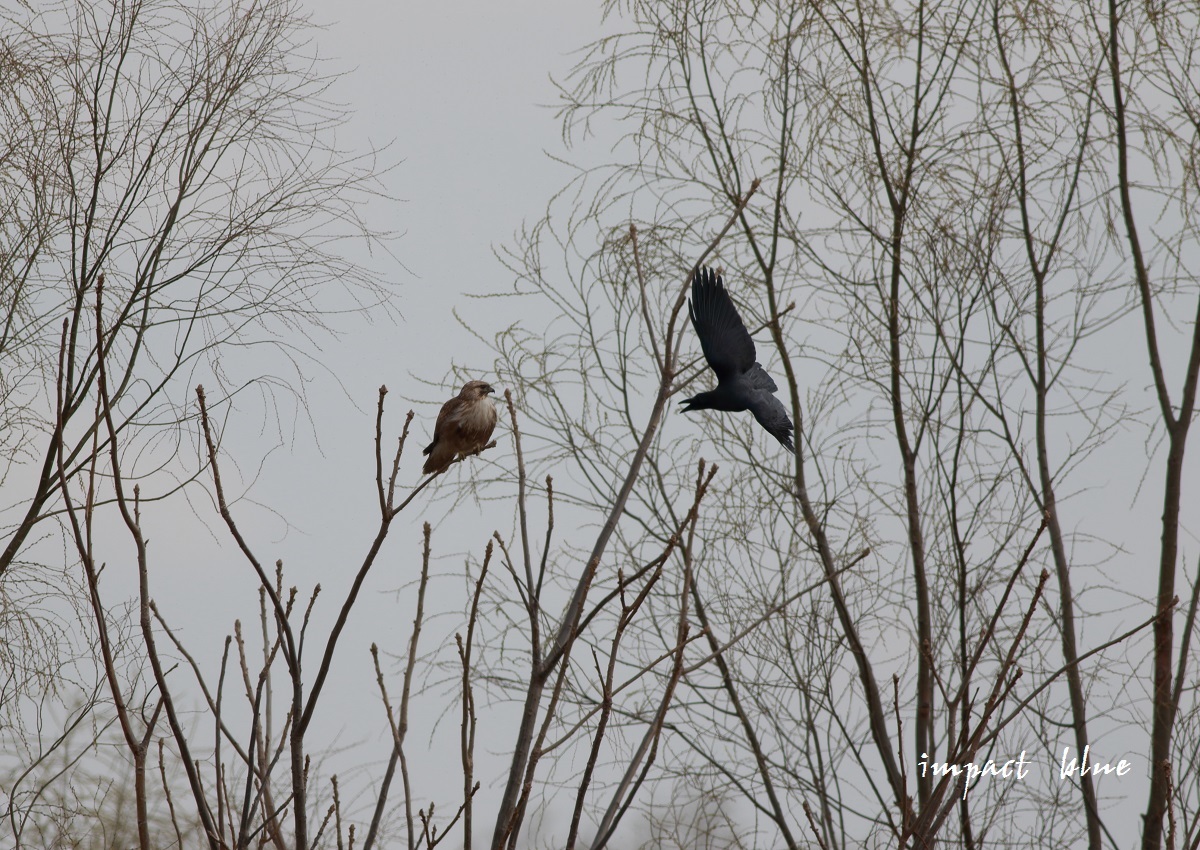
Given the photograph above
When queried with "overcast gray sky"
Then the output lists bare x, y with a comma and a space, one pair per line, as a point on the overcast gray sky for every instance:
459, 96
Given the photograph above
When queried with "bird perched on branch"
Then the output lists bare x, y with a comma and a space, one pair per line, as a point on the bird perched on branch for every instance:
463, 426
741, 382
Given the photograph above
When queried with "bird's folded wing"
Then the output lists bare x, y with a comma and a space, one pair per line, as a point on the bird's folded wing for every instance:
759, 379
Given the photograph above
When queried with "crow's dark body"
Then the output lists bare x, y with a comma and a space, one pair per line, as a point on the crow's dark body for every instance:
742, 384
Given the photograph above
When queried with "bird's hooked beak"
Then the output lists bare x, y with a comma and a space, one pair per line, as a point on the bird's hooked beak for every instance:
488, 389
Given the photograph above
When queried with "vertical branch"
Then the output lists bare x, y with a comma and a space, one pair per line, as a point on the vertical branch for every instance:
1177, 427
216, 709
305, 708
291, 652
383, 497
467, 733
162, 773
899, 201
82, 535
537, 750
537, 592
1185, 641
1038, 268
651, 332
132, 520
762, 763
396, 465
399, 725
906, 811
606, 700
291, 655
648, 749
256, 724
389, 773
408, 675
533, 600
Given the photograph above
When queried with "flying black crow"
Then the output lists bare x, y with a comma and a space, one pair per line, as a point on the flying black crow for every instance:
741, 382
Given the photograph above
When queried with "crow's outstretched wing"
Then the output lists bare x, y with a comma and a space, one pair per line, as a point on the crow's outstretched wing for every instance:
742, 384
727, 345
771, 414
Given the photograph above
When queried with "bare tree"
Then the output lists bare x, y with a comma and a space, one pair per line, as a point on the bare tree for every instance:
181, 151
1155, 131
933, 216
932, 267
183, 154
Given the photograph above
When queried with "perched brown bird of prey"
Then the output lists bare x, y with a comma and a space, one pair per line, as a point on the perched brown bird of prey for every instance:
463, 427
